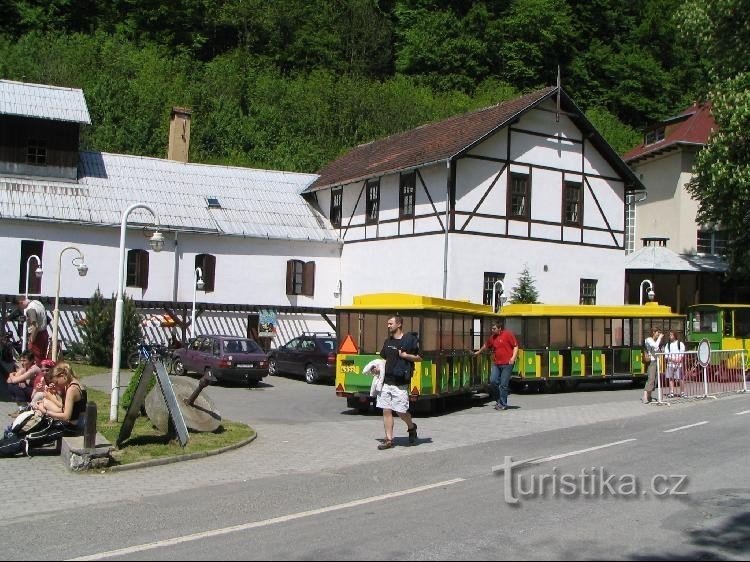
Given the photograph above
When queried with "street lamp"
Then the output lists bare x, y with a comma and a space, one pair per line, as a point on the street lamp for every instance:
38, 272
651, 293
156, 242
197, 286
494, 293
83, 269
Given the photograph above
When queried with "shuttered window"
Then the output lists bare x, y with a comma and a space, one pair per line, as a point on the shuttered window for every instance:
207, 263
137, 269
300, 278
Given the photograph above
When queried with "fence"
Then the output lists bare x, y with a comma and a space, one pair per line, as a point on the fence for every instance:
680, 375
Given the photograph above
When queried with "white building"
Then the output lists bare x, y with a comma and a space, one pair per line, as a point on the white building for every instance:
445, 209
449, 208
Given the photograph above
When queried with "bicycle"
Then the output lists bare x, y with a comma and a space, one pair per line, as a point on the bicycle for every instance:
151, 352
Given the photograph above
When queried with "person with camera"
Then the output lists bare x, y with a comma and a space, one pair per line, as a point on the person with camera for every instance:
36, 326
652, 345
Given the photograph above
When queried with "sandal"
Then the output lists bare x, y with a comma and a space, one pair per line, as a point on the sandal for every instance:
413, 434
386, 444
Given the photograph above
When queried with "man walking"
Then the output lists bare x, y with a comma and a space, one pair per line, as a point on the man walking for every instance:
504, 347
400, 352
36, 326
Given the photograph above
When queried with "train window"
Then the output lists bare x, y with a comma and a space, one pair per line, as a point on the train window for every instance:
706, 321
581, 332
559, 333
728, 324
536, 333
598, 339
618, 333
429, 336
515, 325
742, 323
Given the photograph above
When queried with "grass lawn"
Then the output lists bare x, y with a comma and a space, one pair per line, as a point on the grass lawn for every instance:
145, 441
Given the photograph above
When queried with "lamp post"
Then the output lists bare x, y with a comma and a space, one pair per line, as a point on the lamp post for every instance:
651, 293
156, 242
38, 272
197, 286
494, 293
83, 269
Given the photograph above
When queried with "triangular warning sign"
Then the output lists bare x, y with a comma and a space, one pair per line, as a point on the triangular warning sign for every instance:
349, 346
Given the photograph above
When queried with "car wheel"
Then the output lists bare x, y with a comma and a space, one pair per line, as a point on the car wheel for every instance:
178, 368
311, 374
272, 368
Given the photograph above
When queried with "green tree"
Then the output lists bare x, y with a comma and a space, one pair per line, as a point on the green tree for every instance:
721, 180
96, 330
525, 291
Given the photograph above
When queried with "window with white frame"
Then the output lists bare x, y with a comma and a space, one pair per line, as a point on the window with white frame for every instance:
337, 197
518, 196
490, 278
372, 187
300, 278
406, 192
712, 242
588, 291
573, 203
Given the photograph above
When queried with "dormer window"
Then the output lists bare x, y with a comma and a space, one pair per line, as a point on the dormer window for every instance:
655, 136
213, 203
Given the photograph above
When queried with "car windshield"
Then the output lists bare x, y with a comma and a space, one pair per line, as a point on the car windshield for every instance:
241, 346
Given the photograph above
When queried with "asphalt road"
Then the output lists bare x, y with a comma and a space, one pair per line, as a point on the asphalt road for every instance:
439, 500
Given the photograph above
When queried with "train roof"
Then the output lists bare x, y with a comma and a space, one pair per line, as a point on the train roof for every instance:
400, 303
647, 310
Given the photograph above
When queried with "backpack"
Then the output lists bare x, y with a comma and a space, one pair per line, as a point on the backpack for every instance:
12, 444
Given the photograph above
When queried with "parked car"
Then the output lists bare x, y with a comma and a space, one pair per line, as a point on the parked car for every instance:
313, 355
226, 358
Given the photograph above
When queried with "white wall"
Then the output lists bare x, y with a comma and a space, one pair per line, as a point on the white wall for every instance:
248, 271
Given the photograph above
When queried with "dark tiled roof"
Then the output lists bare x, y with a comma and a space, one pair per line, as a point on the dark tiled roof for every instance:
692, 126
433, 142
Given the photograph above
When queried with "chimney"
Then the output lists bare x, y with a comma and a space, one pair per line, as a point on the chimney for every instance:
179, 134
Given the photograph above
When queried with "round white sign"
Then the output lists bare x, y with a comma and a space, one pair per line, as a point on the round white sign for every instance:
704, 352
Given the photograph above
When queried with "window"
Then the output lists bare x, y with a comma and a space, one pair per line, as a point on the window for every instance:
30, 248
406, 195
337, 195
373, 201
573, 203
518, 196
654, 136
490, 277
137, 270
630, 224
213, 202
207, 263
588, 291
36, 152
300, 278
712, 242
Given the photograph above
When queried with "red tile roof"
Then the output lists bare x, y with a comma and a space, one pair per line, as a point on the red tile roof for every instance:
433, 142
693, 126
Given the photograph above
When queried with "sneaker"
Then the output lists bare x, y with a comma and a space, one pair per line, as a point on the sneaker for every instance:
670, 395
500, 407
413, 434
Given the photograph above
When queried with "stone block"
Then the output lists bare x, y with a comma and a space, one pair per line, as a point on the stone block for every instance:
77, 457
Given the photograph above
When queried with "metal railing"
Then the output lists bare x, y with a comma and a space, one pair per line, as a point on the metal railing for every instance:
680, 375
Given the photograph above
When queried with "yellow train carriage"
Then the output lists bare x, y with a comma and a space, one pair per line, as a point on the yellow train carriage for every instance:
448, 332
574, 343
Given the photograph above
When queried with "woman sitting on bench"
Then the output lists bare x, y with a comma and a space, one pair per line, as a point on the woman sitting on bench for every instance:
71, 408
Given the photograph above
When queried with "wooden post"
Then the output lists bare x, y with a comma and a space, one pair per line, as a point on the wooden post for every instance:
89, 431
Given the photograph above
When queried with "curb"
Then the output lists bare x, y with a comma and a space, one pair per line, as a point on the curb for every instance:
180, 458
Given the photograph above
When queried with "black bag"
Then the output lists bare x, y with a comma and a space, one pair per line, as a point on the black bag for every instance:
48, 431
12, 444
645, 356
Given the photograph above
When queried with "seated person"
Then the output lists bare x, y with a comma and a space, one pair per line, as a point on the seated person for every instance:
70, 405
21, 380
42, 382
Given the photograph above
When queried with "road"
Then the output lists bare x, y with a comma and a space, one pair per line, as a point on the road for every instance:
313, 486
